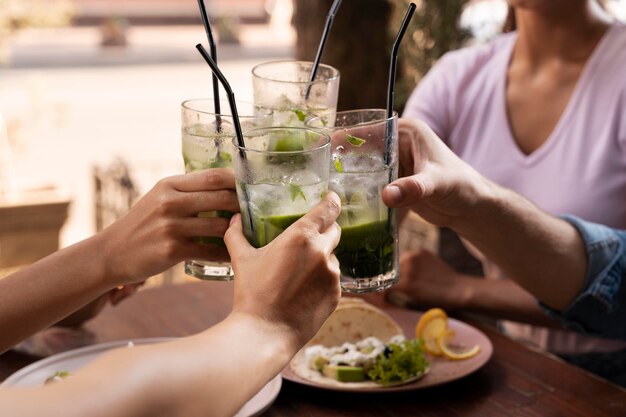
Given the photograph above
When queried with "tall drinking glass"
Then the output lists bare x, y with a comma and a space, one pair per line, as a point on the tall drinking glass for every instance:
275, 188
364, 160
284, 88
207, 143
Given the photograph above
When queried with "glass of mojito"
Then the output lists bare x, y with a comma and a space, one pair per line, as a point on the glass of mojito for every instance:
207, 143
276, 187
364, 159
284, 88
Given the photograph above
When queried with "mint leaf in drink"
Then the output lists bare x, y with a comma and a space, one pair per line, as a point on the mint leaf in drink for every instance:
223, 160
225, 156
301, 115
338, 166
355, 141
296, 191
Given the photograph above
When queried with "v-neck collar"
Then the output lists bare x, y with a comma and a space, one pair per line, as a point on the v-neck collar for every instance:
568, 112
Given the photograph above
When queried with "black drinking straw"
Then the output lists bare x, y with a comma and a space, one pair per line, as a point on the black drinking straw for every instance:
392, 77
229, 93
320, 48
234, 113
213, 48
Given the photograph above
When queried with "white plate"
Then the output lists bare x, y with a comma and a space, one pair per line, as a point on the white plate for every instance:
36, 373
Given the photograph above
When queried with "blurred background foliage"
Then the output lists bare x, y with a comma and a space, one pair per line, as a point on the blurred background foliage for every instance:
361, 38
21, 14
434, 30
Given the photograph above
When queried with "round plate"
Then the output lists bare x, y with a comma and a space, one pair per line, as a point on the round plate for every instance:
35, 374
441, 370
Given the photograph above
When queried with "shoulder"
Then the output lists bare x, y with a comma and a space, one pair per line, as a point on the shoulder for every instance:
468, 61
457, 70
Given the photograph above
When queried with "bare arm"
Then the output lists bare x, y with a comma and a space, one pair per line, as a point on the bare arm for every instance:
195, 376
214, 373
153, 236
427, 281
543, 254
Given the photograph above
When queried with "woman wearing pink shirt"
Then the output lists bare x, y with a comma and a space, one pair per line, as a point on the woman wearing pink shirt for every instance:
542, 111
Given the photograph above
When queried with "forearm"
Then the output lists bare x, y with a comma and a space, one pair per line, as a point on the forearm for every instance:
538, 251
504, 299
50, 289
211, 374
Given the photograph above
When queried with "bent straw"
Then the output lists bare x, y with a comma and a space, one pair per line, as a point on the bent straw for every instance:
213, 49
235, 114
320, 48
229, 92
392, 76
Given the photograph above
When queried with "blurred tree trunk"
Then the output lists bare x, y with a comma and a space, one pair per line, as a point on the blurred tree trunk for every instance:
357, 46
360, 43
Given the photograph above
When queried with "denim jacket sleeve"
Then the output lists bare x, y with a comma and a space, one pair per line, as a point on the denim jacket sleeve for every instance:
600, 308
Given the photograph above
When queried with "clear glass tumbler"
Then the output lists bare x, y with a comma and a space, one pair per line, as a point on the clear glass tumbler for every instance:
275, 187
364, 160
207, 143
284, 88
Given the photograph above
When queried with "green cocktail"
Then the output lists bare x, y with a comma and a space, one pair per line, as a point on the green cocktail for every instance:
364, 161
365, 250
276, 187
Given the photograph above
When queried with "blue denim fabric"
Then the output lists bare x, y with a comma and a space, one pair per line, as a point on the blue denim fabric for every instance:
600, 308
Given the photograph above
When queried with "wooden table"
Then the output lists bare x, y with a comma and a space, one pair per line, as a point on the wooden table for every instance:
517, 381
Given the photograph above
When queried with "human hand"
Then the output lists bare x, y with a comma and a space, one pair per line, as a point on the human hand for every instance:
437, 185
429, 282
293, 282
159, 231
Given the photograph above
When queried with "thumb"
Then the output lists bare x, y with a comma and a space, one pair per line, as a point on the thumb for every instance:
321, 217
406, 191
235, 241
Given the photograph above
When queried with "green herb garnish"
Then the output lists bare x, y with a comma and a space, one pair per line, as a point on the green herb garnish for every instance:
223, 160
296, 191
301, 115
355, 141
399, 362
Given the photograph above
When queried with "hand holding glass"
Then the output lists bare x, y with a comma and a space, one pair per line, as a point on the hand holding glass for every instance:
207, 143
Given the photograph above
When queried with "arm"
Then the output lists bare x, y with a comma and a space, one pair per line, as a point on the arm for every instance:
427, 281
215, 372
194, 376
153, 236
544, 254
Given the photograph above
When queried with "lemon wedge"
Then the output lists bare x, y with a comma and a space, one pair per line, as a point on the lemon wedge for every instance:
455, 351
430, 327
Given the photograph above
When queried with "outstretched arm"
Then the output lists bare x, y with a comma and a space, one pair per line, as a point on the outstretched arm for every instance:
154, 235
283, 294
542, 253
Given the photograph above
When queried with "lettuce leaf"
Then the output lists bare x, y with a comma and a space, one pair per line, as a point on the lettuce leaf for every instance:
399, 362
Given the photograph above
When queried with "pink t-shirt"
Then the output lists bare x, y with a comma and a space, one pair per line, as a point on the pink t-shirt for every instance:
581, 167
